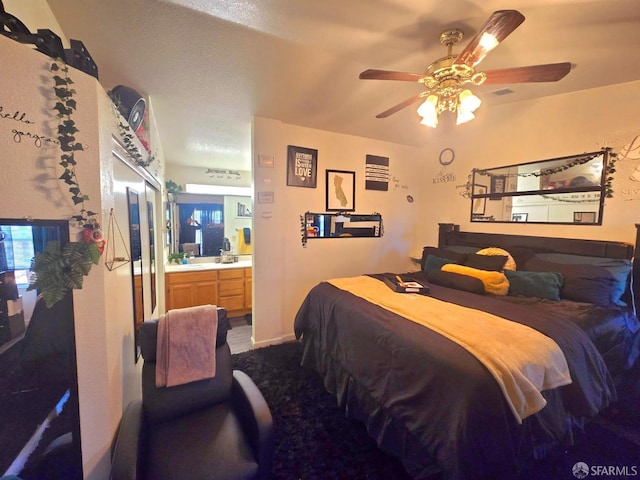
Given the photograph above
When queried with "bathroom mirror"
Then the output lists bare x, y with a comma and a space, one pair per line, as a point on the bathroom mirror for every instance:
341, 225
565, 190
198, 224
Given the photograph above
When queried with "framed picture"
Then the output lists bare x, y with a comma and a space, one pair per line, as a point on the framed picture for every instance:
519, 217
498, 186
302, 167
341, 191
479, 205
584, 217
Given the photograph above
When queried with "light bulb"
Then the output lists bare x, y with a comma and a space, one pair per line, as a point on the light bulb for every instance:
464, 116
468, 102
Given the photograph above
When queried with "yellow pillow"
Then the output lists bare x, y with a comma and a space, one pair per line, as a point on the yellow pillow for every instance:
494, 283
510, 264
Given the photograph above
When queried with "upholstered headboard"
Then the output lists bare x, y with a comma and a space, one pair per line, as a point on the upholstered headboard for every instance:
450, 235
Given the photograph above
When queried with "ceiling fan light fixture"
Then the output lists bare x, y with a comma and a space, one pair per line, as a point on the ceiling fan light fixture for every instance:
428, 111
468, 102
464, 116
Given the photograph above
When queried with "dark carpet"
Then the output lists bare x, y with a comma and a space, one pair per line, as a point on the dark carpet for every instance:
314, 439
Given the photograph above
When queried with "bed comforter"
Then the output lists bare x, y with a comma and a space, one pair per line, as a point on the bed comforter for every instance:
430, 402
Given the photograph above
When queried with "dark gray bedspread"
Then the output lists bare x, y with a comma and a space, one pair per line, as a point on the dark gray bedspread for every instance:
425, 398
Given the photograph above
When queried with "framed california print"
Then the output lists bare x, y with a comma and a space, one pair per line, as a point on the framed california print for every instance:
341, 191
302, 167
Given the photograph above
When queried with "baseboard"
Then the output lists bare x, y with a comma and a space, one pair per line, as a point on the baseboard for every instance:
273, 341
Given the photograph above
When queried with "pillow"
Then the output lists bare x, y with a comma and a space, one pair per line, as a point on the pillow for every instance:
433, 262
455, 257
521, 254
510, 264
582, 283
456, 280
486, 262
534, 284
620, 270
494, 283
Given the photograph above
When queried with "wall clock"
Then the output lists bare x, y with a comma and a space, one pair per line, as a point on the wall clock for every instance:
447, 156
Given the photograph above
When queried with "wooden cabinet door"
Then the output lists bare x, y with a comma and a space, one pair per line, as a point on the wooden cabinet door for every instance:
248, 280
180, 296
205, 293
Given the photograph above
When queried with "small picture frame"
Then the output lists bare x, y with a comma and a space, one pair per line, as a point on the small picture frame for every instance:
340, 191
498, 186
478, 205
584, 217
519, 217
302, 167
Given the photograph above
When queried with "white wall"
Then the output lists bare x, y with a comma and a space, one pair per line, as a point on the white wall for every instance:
284, 271
547, 128
108, 376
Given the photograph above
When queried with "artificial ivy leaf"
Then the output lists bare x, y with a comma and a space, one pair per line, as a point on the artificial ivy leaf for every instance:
62, 92
91, 214
74, 190
77, 200
54, 67
78, 146
66, 176
62, 110
71, 103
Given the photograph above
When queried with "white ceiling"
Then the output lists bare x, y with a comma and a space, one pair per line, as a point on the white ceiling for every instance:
210, 66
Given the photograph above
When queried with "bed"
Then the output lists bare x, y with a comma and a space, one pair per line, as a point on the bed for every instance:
428, 397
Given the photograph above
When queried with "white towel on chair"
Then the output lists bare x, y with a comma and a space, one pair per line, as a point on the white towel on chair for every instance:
186, 348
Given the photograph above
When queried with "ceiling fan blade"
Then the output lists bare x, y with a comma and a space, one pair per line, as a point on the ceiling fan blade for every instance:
550, 72
372, 74
401, 105
498, 27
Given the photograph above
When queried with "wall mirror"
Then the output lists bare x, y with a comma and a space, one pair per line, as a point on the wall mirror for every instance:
566, 190
341, 225
151, 196
198, 224
133, 201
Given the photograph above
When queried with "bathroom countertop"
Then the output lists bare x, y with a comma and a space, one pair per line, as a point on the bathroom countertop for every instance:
200, 266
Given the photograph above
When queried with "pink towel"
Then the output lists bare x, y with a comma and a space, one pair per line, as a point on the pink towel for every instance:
186, 349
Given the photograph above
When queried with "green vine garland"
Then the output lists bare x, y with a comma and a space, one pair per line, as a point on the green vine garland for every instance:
59, 268
66, 106
128, 136
608, 182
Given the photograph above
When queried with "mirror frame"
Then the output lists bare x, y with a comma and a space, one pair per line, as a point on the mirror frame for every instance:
308, 223
493, 184
135, 245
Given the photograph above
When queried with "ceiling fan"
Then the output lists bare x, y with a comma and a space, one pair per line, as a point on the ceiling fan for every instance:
445, 78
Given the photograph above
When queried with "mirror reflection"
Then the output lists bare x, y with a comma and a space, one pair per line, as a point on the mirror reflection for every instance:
209, 225
568, 190
328, 225
136, 257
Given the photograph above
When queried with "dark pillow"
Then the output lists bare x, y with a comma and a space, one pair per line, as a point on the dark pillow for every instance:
456, 280
582, 283
456, 257
535, 284
486, 262
620, 270
433, 262
521, 254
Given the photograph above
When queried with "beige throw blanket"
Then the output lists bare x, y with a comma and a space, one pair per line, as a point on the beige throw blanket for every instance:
186, 348
522, 360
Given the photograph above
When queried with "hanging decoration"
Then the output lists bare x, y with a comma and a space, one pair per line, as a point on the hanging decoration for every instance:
113, 259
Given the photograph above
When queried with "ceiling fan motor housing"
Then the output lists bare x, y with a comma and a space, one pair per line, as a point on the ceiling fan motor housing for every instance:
131, 105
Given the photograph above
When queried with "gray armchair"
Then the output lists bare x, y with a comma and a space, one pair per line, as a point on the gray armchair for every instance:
219, 428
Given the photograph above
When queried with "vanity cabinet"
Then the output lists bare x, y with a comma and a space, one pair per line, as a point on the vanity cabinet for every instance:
224, 287
190, 289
